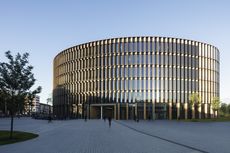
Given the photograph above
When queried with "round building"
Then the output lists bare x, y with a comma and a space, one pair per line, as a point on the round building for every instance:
136, 78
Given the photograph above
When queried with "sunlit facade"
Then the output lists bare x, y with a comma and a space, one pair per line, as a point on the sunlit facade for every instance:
135, 77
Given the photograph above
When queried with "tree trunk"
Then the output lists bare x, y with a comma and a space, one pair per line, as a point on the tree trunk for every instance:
6, 114
11, 126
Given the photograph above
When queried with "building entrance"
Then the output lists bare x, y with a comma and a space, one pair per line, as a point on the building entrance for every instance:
98, 111
108, 112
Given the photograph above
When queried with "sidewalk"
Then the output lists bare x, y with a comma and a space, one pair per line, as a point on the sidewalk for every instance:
78, 136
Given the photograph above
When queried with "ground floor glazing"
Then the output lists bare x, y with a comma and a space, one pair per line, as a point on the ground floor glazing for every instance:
129, 111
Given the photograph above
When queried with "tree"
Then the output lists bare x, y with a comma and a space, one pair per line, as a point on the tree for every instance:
224, 109
3, 105
16, 78
228, 109
216, 105
194, 100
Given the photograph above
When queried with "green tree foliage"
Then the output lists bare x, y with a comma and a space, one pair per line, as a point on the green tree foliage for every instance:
215, 103
194, 99
224, 108
3, 106
228, 109
16, 78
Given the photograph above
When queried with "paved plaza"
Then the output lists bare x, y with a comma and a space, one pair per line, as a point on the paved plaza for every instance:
95, 136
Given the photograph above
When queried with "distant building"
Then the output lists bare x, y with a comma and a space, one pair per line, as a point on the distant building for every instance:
45, 109
34, 108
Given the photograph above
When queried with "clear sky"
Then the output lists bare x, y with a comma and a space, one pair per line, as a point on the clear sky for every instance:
44, 28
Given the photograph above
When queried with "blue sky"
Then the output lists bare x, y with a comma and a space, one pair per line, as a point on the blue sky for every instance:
44, 28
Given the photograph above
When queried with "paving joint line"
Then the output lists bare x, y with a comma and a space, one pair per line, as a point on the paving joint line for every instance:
155, 136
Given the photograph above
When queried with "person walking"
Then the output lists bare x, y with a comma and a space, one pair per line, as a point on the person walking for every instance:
149, 117
110, 121
137, 119
49, 119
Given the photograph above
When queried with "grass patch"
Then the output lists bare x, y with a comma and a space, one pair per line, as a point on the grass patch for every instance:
221, 119
17, 137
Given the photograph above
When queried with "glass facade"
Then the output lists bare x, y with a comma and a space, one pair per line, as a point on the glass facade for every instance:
132, 70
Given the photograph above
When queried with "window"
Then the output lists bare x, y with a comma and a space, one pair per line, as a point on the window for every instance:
126, 48
138, 71
138, 59
121, 47
147, 59
151, 72
131, 71
134, 46
126, 84
147, 84
134, 85
112, 48
122, 71
122, 60
146, 71
166, 45
134, 71
143, 46
118, 85
138, 84
157, 61
109, 60
147, 47
117, 47
130, 58
143, 59
151, 59
130, 49
174, 60
126, 59
142, 71
117, 72
138, 45
126, 71
104, 49
109, 49
130, 84
157, 84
